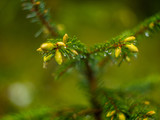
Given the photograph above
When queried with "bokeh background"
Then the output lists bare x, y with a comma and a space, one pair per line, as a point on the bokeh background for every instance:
24, 84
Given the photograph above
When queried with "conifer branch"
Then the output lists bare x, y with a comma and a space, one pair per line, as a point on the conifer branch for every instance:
40, 14
88, 59
41, 17
151, 24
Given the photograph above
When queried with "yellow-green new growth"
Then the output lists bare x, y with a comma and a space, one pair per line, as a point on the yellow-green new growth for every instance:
58, 57
47, 46
150, 113
39, 50
47, 58
65, 38
151, 25
132, 48
117, 52
38, 3
75, 52
110, 113
128, 59
121, 116
128, 39
61, 44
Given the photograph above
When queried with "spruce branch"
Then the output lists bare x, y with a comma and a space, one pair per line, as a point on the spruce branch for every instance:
150, 25
41, 17
40, 13
70, 52
120, 48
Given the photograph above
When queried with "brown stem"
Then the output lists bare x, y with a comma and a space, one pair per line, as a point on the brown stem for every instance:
75, 114
42, 19
86, 112
92, 89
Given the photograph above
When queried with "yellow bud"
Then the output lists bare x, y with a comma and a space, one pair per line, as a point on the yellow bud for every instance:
131, 38
65, 38
37, 3
58, 57
151, 25
151, 113
128, 59
132, 48
117, 52
47, 46
110, 113
146, 102
145, 119
45, 11
75, 52
121, 116
61, 44
112, 117
39, 50
47, 58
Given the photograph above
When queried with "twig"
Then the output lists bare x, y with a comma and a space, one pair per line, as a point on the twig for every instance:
111, 101
86, 112
120, 43
43, 20
76, 114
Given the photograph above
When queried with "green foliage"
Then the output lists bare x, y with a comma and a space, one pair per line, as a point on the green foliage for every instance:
38, 114
127, 104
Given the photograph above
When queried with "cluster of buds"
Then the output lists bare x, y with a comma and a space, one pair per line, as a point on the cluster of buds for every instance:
46, 47
112, 114
131, 47
148, 114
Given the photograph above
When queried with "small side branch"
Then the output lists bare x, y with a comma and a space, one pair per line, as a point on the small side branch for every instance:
83, 112
43, 20
86, 112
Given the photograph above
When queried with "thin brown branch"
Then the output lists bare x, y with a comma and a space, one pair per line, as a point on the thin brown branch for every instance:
111, 101
65, 70
86, 112
43, 20
74, 114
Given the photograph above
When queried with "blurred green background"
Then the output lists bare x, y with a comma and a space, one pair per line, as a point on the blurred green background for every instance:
24, 84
